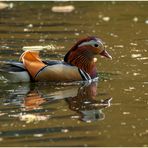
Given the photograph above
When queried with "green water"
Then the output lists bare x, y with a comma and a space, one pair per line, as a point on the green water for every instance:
44, 114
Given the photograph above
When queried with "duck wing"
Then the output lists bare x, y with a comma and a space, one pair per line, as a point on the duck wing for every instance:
52, 62
14, 71
11, 66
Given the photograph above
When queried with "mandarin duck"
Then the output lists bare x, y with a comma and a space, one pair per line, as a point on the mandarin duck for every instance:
79, 64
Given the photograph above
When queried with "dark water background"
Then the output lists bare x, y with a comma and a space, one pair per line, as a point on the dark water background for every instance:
77, 114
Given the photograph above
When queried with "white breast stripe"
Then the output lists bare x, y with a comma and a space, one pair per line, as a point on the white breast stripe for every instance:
84, 75
92, 43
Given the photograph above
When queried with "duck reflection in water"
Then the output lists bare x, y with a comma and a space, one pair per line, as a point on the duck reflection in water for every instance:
85, 103
81, 98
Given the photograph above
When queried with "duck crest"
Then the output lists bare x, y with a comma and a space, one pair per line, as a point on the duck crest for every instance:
82, 57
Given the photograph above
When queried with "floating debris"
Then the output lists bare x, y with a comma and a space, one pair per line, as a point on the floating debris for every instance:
143, 133
126, 113
77, 34
136, 74
100, 16
135, 19
74, 117
33, 118
30, 26
114, 35
39, 48
38, 135
64, 130
146, 21
106, 18
143, 58
133, 44
11, 5
26, 29
1, 139
136, 55
129, 89
3, 5
1, 114
63, 9
16, 135
41, 40
123, 123
120, 46
133, 126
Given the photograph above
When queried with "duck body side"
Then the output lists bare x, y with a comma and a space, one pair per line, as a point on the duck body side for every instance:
53, 71
59, 73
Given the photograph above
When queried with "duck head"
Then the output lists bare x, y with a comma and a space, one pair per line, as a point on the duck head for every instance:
83, 54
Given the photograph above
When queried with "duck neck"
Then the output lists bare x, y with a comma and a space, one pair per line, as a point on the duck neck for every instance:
84, 61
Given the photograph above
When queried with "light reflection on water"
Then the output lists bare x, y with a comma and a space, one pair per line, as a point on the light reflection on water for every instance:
76, 115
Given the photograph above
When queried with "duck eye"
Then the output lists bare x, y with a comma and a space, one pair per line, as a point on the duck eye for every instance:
96, 45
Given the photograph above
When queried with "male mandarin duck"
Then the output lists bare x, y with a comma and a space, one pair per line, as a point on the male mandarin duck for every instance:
79, 64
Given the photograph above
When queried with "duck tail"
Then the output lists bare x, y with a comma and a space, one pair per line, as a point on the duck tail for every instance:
32, 62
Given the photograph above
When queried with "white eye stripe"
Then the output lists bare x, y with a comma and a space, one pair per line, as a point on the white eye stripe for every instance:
92, 43
100, 42
88, 43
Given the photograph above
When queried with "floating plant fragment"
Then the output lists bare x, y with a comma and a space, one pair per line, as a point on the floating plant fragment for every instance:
63, 9
39, 48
